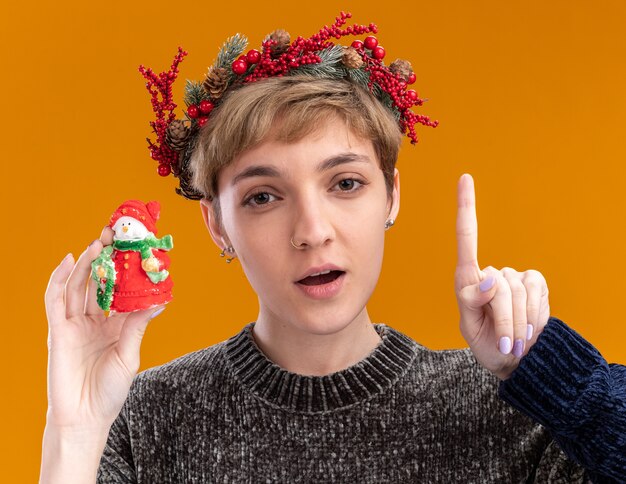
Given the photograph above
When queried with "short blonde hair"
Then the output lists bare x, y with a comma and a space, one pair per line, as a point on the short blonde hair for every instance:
288, 108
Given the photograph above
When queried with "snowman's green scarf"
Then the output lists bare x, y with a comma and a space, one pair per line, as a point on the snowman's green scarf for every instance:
144, 246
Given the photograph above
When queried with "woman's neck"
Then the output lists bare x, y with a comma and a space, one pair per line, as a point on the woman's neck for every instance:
306, 353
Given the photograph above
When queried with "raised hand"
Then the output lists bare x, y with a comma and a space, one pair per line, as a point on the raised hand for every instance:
92, 359
502, 312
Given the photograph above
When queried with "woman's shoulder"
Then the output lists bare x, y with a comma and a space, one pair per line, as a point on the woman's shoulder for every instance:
450, 376
193, 371
448, 391
460, 362
434, 364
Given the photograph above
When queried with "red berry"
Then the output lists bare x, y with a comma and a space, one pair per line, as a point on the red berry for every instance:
357, 44
164, 170
412, 95
240, 66
253, 56
202, 121
411, 78
206, 107
242, 57
378, 52
370, 42
192, 111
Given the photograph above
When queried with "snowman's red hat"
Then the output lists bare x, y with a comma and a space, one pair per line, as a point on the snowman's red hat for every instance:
146, 213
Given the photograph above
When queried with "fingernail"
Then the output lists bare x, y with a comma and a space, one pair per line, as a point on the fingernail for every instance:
529, 331
68, 256
505, 345
518, 348
487, 284
93, 242
156, 313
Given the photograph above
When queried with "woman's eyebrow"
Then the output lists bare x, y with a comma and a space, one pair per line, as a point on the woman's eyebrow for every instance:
327, 164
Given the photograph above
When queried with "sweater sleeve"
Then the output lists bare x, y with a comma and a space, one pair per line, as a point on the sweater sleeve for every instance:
116, 464
566, 385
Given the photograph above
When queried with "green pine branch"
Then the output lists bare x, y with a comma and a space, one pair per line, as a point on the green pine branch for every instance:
361, 76
232, 48
194, 93
332, 54
330, 65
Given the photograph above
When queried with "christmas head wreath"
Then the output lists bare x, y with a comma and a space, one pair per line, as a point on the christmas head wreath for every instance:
318, 56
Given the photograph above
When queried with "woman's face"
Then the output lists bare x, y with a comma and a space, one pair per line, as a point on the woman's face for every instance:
337, 213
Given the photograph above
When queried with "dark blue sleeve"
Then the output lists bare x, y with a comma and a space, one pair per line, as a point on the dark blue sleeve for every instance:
566, 385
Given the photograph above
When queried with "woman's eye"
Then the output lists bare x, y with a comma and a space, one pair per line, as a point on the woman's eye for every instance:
350, 185
259, 198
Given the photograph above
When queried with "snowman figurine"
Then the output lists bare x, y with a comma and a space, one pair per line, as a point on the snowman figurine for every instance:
132, 272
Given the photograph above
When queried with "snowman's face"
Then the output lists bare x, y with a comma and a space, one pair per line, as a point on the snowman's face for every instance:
129, 228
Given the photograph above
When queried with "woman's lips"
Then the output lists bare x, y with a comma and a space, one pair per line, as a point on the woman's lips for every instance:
320, 279
328, 266
323, 291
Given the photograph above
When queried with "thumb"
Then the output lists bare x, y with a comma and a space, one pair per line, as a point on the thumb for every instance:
472, 298
132, 334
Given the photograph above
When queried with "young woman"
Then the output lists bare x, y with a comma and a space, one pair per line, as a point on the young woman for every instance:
298, 182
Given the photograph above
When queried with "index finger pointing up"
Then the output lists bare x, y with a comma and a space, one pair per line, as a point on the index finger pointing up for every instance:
466, 226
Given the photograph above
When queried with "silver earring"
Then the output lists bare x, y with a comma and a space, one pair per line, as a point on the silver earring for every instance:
228, 249
296, 246
389, 223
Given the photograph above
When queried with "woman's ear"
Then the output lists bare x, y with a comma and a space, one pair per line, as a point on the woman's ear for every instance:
210, 220
395, 198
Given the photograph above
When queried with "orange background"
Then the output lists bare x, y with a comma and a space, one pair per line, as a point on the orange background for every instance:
531, 100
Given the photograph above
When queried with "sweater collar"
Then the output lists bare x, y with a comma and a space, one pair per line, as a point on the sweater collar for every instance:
371, 376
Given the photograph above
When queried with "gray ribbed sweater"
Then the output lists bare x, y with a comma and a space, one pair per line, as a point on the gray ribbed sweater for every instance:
403, 414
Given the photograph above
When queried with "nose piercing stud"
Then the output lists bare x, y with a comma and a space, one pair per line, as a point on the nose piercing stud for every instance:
296, 246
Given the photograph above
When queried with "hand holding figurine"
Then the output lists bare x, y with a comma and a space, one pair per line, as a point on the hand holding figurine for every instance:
92, 359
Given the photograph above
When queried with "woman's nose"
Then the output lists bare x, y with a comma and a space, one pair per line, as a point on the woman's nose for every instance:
312, 221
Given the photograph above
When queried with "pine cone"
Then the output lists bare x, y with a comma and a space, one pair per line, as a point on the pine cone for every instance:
351, 58
216, 82
402, 68
177, 135
283, 41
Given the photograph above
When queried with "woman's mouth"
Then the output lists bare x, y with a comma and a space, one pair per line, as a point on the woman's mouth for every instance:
322, 286
320, 279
